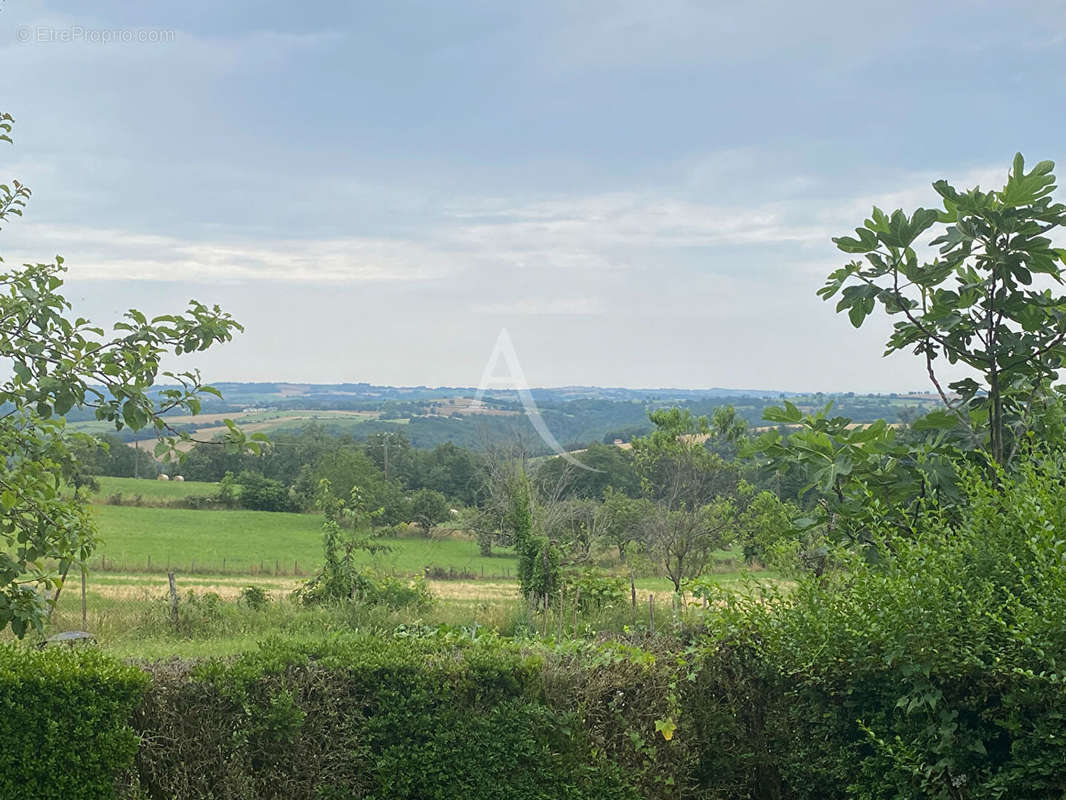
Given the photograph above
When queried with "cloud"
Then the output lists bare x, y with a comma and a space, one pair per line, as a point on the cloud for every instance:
108, 255
577, 236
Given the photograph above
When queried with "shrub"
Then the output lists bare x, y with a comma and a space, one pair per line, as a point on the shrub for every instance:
263, 494
64, 729
367, 588
196, 502
416, 717
935, 672
429, 508
255, 597
597, 589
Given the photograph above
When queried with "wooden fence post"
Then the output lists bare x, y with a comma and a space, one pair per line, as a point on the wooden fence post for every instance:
651, 613
84, 610
577, 606
173, 599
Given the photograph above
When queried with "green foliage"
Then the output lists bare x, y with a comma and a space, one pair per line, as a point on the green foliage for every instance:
255, 597
64, 722
621, 520
109, 455
59, 363
596, 588
609, 468
257, 493
764, 529
538, 559
345, 532
690, 490
413, 716
975, 301
936, 672
429, 508
857, 481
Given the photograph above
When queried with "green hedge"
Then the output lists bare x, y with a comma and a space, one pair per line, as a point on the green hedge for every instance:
64, 716
385, 718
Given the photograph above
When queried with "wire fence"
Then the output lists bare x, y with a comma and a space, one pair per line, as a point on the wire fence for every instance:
276, 567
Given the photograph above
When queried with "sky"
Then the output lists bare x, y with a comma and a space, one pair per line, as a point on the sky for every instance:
642, 193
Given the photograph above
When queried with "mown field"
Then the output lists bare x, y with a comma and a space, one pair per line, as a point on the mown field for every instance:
146, 538
150, 489
206, 427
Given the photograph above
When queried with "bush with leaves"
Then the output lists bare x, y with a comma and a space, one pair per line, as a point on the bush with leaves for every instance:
255, 597
345, 532
538, 558
936, 671
856, 479
420, 715
594, 588
258, 493
64, 722
428, 509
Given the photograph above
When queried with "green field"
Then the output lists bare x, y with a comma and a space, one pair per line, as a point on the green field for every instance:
151, 489
252, 541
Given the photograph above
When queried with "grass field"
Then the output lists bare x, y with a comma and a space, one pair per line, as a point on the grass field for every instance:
151, 489
133, 537
216, 554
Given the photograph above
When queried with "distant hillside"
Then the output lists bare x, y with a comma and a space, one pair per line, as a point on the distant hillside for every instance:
576, 415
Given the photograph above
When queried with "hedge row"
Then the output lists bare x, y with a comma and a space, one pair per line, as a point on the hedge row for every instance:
380, 718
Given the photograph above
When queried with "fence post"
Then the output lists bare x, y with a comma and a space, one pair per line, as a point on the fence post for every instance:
173, 599
577, 606
84, 610
651, 613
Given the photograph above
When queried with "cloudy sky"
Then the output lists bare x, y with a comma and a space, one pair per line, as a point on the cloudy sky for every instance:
642, 193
